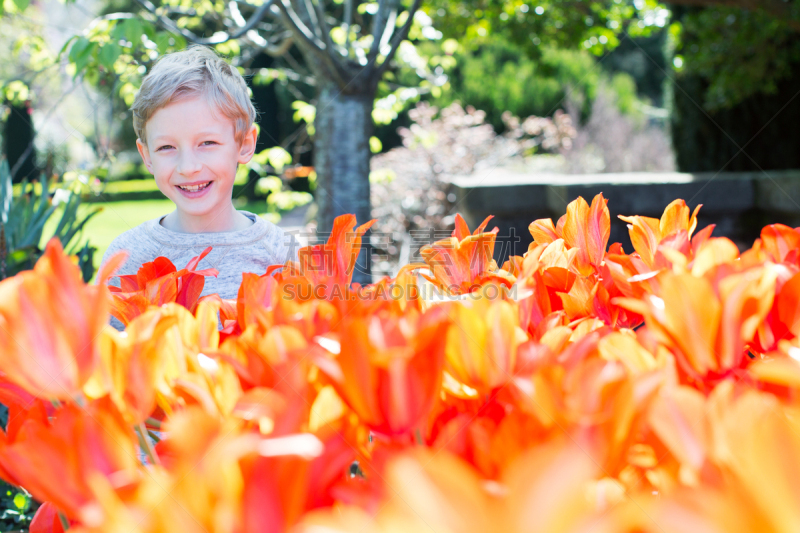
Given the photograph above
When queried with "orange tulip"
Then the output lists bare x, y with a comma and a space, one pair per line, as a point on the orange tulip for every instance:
546, 490
482, 342
584, 228
46, 520
217, 476
332, 263
388, 368
132, 365
781, 243
464, 262
279, 490
708, 327
647, 233
749, 477
539, 409
783, 320
49, 324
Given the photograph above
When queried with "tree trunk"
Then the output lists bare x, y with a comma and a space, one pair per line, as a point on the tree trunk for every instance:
343, 127
18, 136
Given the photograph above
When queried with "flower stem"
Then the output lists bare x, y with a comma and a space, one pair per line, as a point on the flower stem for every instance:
146, 445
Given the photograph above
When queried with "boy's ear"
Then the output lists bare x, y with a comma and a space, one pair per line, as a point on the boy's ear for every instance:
145, 153
248, 147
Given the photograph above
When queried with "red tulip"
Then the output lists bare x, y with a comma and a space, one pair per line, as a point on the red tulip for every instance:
157, 283
54, 459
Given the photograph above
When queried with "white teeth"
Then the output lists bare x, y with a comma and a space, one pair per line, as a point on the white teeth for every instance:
195, 188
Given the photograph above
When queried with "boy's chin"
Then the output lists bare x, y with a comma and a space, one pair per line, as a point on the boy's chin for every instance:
195, 212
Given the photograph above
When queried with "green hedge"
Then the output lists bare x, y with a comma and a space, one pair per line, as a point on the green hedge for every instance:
130, 190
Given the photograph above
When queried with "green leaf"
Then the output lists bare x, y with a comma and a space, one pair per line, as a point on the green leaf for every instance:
132, 30
108, 54
83, 61
21, 501
64, 48
304, 111
375, 145
149, 30
79, 48
278, 158
118, 33
81, 53
21, 4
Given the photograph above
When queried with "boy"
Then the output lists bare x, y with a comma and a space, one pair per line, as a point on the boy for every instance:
194, 122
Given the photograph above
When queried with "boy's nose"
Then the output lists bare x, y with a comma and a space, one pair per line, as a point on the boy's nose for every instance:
189, 164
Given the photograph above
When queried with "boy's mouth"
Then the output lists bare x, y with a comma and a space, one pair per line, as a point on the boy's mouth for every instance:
194, 188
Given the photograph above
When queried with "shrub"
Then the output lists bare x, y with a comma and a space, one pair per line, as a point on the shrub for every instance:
23, 217
614, 141
498, 77
409, 190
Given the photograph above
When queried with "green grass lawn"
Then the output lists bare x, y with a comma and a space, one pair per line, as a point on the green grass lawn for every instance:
113, 219
118, 217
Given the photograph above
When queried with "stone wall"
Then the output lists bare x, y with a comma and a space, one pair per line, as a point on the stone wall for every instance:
739, 203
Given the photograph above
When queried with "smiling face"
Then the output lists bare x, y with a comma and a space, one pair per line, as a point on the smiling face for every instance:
193, 155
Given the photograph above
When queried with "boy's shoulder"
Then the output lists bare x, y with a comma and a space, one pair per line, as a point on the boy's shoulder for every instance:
138, 243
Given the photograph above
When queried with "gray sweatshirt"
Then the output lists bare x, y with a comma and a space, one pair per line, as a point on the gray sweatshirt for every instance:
252, 249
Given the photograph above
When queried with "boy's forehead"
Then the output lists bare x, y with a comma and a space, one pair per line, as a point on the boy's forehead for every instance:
189, 117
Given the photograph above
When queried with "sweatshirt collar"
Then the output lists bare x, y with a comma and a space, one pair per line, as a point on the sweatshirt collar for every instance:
250, 234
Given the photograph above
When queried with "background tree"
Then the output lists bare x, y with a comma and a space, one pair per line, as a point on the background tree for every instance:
736, 86
732, 91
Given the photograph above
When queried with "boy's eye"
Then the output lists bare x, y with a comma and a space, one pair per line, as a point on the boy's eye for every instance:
210, 142
163, 147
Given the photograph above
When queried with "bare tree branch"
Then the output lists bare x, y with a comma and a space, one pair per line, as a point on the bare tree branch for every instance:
309, 43
348, 21
278, 50
299, 28
391, 25
323, 26
312, 18
294, 64
168, 24
778, 8
402, 33
387, 10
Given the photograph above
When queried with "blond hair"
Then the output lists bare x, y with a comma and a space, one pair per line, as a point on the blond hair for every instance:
195, 71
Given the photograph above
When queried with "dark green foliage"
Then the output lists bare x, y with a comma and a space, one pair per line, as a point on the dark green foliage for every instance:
764, 125
738, 90
526, 86
739, 52
16, 505
566, 24
519, 84
645, 60
17, 138
22, 220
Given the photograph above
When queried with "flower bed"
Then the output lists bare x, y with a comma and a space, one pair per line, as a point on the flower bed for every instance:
577, 388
